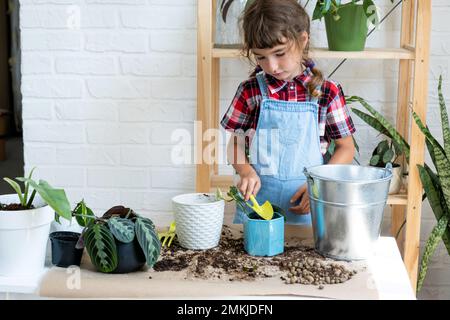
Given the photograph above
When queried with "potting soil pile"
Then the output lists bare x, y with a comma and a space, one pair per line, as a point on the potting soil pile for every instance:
224, 271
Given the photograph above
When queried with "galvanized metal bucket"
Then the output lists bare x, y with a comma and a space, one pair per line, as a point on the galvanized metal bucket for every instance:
347, 204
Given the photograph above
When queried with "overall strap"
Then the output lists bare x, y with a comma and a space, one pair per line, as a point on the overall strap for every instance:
262, 85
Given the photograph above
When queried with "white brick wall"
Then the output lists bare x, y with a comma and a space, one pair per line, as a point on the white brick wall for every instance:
105, 83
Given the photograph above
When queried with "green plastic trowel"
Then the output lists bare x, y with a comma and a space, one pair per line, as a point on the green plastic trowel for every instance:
265, 211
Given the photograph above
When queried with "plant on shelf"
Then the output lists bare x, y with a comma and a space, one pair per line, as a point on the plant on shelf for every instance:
120, 241
347, 23
388, 150
436, 185
25, 219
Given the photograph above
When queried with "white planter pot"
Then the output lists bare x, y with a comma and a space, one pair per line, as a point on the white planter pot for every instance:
199, 220
23, 237
396, 181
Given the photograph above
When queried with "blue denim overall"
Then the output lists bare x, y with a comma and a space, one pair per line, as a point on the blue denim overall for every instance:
286, 140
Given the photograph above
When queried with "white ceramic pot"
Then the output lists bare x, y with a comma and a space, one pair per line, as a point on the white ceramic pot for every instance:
396, 181
199, 220
23, 237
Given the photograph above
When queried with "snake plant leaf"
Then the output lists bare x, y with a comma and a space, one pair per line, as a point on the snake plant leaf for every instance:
101, 248
444, 119
393, 133
83, 214
430, 247
17, 189
371, 121
442, 163
122, 229
148, 239
434, 195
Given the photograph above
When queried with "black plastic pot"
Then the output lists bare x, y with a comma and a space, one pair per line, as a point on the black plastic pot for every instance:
64, 253
130, 255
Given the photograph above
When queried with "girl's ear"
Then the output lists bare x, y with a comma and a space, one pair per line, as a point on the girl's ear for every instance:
303, 38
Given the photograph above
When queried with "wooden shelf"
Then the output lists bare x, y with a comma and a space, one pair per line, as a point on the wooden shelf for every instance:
324, 53
225, 181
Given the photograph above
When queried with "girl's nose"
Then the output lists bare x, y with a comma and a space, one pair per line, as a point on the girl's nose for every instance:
273, 65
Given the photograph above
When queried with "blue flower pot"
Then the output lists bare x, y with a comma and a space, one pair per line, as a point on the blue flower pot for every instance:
264, 237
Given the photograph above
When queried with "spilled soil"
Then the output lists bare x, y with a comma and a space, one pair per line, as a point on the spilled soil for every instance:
229, 262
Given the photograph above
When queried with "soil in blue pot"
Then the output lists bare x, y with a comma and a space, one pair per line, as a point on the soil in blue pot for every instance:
264, 237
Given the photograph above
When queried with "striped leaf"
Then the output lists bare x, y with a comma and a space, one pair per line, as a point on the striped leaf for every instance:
444, 119
434, 195
101, 248
393, 133
122, 229
148, 239
371, 121
442, 163
430, 247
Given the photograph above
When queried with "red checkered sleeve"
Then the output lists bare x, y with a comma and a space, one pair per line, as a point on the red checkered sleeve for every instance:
240, 114
339, 123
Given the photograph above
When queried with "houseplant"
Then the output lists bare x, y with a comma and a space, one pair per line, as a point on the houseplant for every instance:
261, 237
25, 219
388, 150
436, 185
120, 241
346, 23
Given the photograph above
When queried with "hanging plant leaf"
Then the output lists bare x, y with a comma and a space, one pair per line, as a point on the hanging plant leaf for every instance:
382, 147
101, 248
148, 240
224, 8
122, 229
430, 247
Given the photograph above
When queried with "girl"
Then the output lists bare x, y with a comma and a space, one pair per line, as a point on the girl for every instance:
286, 109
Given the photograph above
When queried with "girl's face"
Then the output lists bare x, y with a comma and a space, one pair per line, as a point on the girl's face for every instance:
282, 62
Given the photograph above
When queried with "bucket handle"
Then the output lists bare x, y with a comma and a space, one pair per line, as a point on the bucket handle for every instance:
388, 168
314, 189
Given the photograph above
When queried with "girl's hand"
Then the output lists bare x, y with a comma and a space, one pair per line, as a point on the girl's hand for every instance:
250, 183
303, 206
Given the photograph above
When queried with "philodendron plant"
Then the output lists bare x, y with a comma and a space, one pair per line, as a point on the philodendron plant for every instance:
123, 224
436, 185
55, 198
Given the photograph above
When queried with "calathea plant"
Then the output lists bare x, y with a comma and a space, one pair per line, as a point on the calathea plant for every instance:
118, 223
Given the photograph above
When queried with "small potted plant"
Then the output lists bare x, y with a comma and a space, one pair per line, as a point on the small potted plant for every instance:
121, 241
388, 152
346, 23
25, 219
261, 237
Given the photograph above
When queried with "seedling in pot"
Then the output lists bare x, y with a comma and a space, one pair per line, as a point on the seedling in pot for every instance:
55, 198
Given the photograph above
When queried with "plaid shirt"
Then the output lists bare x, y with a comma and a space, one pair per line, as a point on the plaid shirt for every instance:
334, 117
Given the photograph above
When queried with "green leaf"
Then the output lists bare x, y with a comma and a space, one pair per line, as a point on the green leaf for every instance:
371, 12
444, 119
371, 121
431, 185
101, 247
317, 14
122, 229
430, 247
392, 132
442, 163
55, 198
83, 214
148, 239
382, 147
388, 155
374, 160
16, 188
